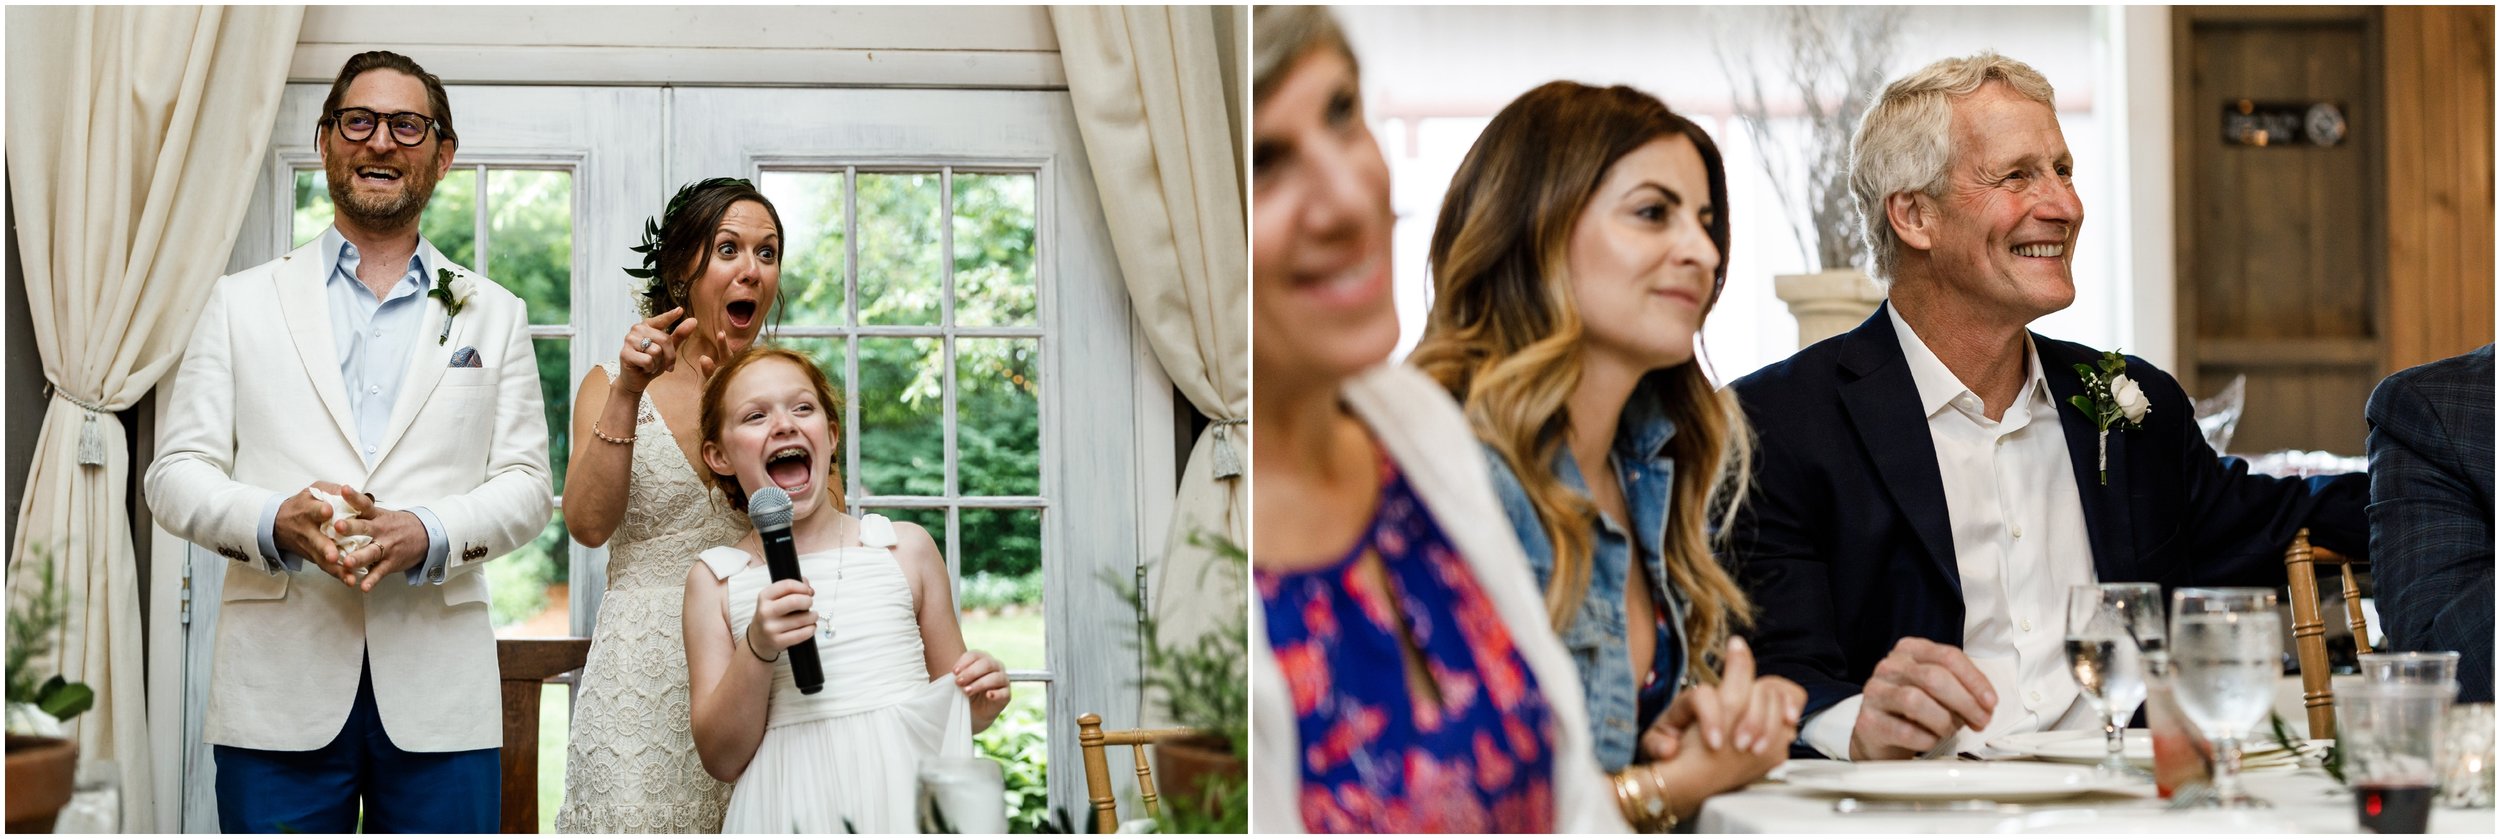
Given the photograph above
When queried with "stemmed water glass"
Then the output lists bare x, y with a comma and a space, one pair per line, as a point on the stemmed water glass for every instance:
2228, 656
2110, 629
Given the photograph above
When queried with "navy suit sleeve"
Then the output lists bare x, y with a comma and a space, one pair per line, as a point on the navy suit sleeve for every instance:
2431, 533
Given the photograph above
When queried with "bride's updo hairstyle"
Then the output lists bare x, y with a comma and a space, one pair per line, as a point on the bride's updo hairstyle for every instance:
676, 247
715, 393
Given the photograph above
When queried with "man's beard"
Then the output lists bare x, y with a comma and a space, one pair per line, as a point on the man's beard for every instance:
382, 212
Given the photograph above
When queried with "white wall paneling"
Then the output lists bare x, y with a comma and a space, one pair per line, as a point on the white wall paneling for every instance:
888, 46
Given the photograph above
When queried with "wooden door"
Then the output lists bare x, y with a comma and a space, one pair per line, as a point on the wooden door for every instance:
2281, 246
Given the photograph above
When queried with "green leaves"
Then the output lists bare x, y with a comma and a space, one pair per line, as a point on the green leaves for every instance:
64, 699
34, 625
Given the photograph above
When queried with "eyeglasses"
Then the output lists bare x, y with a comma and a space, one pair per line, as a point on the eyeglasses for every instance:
407, 127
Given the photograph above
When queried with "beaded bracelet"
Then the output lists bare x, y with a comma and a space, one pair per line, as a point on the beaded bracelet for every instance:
626, 440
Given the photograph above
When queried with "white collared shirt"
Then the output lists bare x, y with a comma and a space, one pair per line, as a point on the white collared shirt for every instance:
2019, 541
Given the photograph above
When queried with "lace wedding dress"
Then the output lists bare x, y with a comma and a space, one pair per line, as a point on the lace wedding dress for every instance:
631, 766
846, 760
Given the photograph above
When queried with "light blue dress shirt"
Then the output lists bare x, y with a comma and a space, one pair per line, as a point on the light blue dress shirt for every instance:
372, 337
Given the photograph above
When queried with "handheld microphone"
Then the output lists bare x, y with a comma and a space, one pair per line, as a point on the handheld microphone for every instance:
769, 508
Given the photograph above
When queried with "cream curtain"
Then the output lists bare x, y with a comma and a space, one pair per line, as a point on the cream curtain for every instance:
134, 137
1150, 94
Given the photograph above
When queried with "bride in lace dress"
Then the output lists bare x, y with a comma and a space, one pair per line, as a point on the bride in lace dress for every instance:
714, 273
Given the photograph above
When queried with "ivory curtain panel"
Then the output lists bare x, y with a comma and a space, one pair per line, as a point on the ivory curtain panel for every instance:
1150, 102
134, 137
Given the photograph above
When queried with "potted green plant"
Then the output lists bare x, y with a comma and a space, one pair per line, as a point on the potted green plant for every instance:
1202, 683
42, 761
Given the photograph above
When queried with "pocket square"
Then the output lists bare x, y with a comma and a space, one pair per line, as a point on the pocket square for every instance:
466, 357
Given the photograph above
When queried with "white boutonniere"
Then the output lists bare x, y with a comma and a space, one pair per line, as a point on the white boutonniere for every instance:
454, 290
2111, 400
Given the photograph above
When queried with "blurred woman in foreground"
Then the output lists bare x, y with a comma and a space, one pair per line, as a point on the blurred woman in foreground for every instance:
1403, 677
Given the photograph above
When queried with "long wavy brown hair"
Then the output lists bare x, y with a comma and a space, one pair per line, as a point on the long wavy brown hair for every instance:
1505, 337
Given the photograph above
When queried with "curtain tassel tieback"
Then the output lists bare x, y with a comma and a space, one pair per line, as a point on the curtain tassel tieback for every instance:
1227, 453
90, 438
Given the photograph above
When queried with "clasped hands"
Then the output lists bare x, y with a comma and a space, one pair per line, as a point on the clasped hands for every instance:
1740, 727
392, 541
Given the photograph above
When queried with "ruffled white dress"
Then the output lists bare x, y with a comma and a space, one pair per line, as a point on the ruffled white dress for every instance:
846, 760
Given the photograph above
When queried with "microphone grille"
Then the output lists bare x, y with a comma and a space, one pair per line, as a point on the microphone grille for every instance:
769, 508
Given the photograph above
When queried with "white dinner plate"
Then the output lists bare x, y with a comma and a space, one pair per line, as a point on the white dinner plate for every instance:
1942, 780
2076, 746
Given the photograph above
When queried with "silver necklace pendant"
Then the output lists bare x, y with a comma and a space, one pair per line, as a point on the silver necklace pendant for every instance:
824, 629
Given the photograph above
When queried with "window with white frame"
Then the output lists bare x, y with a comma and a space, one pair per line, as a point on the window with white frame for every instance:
518, 230
916, 290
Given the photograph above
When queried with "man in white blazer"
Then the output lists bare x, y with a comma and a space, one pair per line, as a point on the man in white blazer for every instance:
364, 365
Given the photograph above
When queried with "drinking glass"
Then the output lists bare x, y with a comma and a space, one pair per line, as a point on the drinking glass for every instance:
2226, 652
2388, 733
2110, 629
2438, 668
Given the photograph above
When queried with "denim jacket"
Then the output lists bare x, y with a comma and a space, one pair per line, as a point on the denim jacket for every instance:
1598, 636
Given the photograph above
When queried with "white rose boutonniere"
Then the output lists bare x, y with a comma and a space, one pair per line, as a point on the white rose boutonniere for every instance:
454, 290
2111, 400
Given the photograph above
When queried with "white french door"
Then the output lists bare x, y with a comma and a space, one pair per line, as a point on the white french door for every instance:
947, 264
907, 276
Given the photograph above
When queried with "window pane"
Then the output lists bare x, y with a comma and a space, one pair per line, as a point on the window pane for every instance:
993, 250
810, 204
527, 591
450, 219
312, 205
898, 248
555, 389
998, 429
529, 235
555, 729
902, 447
1000, 597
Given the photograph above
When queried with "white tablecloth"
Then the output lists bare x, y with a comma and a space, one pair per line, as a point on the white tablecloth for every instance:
2305, 797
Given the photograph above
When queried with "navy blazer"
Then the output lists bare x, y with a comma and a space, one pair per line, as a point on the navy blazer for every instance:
2431, 510
1845, 546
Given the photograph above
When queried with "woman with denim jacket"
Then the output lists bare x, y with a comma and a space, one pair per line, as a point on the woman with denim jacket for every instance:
1403, 677
1579, 248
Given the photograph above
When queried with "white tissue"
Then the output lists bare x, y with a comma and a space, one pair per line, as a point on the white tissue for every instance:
339, 512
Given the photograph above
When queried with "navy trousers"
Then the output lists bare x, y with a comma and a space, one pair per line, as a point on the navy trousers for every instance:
359, 772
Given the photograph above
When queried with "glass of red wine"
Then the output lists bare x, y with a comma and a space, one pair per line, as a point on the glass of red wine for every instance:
2388, 733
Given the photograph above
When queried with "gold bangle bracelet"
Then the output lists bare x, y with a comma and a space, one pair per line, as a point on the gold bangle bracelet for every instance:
1642, 796
626, 440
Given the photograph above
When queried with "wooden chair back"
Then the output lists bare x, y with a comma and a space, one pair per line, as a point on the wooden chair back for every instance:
2317, 693
526, 665
1091, 738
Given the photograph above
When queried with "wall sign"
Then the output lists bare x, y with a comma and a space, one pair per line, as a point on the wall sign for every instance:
2249, 123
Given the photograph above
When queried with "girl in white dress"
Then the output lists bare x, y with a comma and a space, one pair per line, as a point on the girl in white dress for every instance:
899, 685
